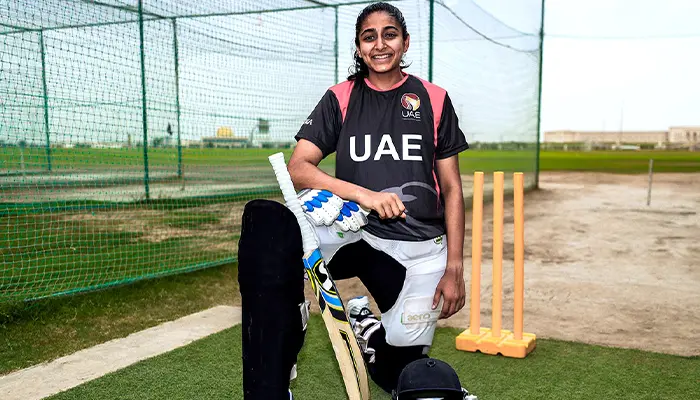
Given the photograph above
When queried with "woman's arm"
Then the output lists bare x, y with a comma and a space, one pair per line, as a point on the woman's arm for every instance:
303, 168
451, 285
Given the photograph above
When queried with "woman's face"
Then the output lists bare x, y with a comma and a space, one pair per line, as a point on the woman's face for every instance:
381, 43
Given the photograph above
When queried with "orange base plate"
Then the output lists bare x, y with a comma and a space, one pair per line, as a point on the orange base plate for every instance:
505, 345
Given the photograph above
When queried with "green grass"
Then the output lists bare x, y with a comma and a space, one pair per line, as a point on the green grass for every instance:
83, 158
130, 158
74, 249
493, 160
189, 220
52, 253
31, 333
56, 247
473, 159
211, 369
620, 161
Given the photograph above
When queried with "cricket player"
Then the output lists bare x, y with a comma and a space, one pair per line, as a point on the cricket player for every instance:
392, 216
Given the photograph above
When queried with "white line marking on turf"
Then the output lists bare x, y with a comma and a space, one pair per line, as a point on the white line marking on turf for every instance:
47, 379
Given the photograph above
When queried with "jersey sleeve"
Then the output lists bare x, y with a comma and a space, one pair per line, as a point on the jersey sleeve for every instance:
322, 128
450, 140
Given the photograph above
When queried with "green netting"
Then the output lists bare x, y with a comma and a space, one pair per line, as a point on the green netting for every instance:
132, 135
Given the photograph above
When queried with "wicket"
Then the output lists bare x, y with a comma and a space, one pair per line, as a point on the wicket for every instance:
497, 340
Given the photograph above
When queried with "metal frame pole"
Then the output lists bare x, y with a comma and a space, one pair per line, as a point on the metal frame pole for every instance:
144, 103
539, 102
46, 101
177, 98
430, 40
336, 45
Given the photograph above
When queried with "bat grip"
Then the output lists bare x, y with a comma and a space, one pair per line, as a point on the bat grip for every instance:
292, 201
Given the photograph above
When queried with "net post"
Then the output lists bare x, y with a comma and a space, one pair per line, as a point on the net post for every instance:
143, 103
651, 175
335, 49
46, 100
430, 40
539, 101
177, 97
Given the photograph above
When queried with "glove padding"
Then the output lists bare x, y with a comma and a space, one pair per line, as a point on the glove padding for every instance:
323, 208
351, 218
320, 206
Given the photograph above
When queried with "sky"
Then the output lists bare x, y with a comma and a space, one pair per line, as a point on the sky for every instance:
614, 64
607, 65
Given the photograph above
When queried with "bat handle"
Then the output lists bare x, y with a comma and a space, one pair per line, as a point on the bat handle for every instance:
292, 201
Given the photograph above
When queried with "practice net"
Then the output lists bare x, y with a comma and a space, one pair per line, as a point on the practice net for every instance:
132, 134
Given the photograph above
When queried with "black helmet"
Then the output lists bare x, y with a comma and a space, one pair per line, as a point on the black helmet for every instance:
428, 378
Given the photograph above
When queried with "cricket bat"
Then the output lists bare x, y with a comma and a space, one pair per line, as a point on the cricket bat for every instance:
345, 346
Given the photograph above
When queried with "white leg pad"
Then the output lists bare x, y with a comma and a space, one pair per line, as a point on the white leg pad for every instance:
412, 321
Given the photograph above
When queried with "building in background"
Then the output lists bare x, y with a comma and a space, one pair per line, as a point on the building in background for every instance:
225, 138
685, 134
676, 137
257, 136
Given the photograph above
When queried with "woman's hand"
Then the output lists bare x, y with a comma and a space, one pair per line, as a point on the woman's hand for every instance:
387, 205
451, 289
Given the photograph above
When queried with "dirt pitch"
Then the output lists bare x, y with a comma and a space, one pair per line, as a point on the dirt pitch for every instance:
602, 267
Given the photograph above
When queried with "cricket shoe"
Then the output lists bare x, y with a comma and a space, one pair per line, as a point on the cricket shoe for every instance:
468, 396
358, 309
363, 324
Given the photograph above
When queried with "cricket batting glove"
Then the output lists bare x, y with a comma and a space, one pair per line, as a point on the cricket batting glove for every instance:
320, 206
323, 208
336, 222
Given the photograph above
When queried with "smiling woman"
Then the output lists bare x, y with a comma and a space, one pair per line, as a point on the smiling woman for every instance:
396, 140
382, 40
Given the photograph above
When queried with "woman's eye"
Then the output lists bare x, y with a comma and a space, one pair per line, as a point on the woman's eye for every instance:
369, 38
390, 35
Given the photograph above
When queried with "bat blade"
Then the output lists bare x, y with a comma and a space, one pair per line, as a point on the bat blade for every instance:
343, 340
345, 347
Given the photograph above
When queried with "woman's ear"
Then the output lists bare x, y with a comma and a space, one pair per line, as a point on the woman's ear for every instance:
406, 43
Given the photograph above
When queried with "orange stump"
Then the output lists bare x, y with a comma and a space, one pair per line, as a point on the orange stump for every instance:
497, 340
477, 218
497, 282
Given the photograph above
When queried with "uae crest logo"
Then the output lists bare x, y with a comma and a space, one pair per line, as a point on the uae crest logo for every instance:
410, 101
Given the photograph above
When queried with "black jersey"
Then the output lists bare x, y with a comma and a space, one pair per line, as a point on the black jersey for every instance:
389, 141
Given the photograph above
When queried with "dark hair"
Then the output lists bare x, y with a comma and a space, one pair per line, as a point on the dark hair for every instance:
359, 69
